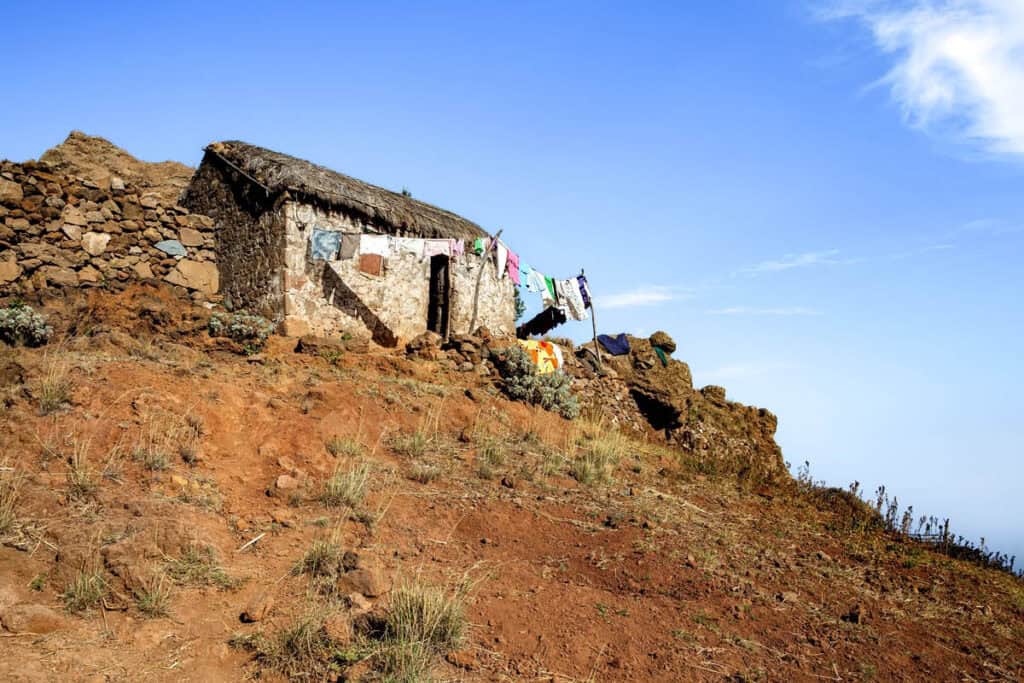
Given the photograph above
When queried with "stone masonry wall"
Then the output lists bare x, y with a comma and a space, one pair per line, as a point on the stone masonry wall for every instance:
250, 238
390, 309
59, 231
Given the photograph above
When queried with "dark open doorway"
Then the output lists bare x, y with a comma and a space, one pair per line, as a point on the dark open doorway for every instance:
440, 294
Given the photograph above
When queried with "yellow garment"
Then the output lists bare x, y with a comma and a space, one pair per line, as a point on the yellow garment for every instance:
545, 355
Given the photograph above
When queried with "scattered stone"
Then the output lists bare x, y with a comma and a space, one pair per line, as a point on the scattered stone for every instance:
284, 517
31, 618
358, 604
508, 482
368, 581
464, 659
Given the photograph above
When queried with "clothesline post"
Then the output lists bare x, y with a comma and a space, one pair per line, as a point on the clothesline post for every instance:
479, 277
593, 322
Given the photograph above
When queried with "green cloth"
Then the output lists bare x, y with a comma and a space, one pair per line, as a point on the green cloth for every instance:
551, 287
661, 354
478, 245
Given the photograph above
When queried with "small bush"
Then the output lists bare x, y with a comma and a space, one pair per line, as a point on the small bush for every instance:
429, 615
340, 446
251, 331
81, 476
84, 592
591, 468
411, 444
424, 473
323, 559
346, 487
522, 382
19, 324
300, 651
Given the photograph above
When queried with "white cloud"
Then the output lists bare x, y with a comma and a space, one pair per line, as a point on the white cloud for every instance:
959, 64
990, 226
649, 295
782, 311
790, 261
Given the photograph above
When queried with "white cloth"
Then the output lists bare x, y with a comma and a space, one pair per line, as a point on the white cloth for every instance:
437, 248
502, 253
373, 244
408, 245
570, 298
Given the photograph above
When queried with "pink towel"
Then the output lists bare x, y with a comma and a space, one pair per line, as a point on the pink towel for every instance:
513, 267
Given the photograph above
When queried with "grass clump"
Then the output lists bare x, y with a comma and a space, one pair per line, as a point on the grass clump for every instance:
423, 621
342, 446
346, 487
412, 444
325, 558
522, 381
10, 491
54, 388
84, 592
302, 650
491, 455
81, 477
424, 472
198, 566
154, 598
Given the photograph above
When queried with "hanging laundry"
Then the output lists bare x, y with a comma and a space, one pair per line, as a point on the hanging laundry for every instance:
501, 252
535, 282
546, 320
617, 346
324, 245
513, 267
545, 355
661, 356
373, 244
437, 248
480, 244
570, 298
408, 245
458, 247
584, 290
349, 245
371, 264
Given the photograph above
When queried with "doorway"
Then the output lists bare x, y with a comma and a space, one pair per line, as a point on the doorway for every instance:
440, 294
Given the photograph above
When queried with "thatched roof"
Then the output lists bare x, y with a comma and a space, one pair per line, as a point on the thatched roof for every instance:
307, 181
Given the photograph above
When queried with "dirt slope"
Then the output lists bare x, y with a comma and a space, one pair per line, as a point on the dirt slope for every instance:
98, 160
656, 574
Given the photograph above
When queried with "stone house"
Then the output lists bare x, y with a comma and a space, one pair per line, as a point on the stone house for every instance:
267, 207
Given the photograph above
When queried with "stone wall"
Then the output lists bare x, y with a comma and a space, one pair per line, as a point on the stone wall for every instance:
250, 238
392, 308
61, 231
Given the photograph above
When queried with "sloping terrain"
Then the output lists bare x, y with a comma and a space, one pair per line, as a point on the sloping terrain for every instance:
143, 460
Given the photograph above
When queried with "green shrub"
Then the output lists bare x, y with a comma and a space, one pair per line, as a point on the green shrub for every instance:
522, 382
19, 324
251, 331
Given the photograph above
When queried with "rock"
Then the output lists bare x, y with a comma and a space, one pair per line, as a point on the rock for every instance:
856, 615
788, 597
368, 581
95, 243
714, 394
358, 604
142, 270
63, 277
116, 184
662, 339
149, 201
284, 517
18, 223
286, 482
12, 373
172, 247
88, 275
294, 327
338, 628
10, 192
464, 659
319, 346
30, 618
258, 609
73, 216
73, 232
9, 269
202, 277
190, 237
423, 341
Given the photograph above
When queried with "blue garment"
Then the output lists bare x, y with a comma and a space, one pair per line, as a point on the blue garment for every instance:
324, 244
584, 290
617, 346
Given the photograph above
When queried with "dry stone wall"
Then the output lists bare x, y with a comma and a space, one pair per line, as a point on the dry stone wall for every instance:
62, 231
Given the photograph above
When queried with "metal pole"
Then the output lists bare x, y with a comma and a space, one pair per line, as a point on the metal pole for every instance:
593, 321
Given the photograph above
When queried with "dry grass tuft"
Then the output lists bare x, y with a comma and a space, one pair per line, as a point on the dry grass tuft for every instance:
339, 446
154, 598
198, 566
424, 472
346, 487
54, 388
10, 490
84, 592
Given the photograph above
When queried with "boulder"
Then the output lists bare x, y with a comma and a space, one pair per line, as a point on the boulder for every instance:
202, 277
31, 618
368, 581
95, 243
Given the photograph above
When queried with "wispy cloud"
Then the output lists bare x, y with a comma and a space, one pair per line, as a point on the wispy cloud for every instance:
958, 64
781, 311
746, 370
990, 226
806, 259
648, 295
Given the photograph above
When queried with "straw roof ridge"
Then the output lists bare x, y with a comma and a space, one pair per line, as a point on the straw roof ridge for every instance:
281, 172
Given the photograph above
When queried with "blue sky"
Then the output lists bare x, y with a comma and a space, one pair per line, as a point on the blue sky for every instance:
821, 202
